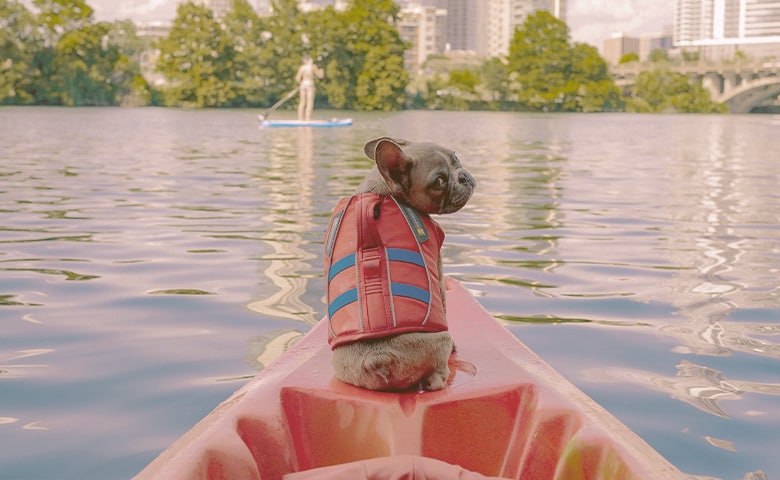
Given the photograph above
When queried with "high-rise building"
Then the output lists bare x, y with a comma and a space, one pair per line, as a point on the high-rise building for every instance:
619, 45
559, 9
651, 42
719, 28
556, 7
461, 24
424, 27
496, 23
487, 26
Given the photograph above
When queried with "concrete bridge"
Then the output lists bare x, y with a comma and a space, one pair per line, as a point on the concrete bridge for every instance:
742, 86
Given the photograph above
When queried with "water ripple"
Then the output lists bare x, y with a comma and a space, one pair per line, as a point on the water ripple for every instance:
142, 277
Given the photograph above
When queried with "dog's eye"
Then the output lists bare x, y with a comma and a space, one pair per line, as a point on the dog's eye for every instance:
440, 182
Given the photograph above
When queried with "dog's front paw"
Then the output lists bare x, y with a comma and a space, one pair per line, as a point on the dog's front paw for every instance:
436, 380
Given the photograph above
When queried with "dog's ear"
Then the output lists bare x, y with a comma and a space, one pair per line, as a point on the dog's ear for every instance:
394, 165
370, 147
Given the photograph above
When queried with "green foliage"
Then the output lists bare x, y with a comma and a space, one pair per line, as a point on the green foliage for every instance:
494, 77
54, 52
550, 74
364, 66
659, 55
84, 65
661, 90
59, 16
245, 60
690, 56
18, 41
443, 96
628, 58
195, 58
539, 56
464, 80
58, 55
133, 89
243, 26
282, 51
595, 89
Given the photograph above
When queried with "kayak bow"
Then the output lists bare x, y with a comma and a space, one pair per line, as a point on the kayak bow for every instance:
505, 413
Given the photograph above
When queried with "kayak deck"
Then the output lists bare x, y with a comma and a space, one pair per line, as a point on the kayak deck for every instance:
504, 413
344, 122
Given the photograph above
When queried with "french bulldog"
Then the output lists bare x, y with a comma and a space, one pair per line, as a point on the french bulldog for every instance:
431, 180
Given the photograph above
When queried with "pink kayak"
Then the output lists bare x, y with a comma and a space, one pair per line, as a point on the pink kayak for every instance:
505, 414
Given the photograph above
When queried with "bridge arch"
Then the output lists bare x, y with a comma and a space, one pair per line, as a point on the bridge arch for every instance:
750, 94
742, 87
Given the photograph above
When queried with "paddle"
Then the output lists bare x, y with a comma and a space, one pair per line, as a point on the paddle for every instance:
263, 116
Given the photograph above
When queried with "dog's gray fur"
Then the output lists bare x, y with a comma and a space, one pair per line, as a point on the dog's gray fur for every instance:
431, 179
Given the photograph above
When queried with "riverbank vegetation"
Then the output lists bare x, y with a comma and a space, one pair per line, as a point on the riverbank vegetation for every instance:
56, 53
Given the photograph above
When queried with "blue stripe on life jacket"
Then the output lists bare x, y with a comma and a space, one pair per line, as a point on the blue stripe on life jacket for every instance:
341, 265
342, 301
403, 255
398, 289
404, 290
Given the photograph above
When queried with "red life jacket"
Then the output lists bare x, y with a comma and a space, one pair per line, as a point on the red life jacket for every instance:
381, 266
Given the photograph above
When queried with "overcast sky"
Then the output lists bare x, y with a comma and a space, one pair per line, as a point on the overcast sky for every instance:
591, 21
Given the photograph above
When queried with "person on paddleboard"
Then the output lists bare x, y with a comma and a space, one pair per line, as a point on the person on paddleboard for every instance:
305, 79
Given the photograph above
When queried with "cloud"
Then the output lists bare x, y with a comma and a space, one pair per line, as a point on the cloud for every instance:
593, 21
136, 10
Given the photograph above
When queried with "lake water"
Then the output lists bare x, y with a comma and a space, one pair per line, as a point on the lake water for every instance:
151, 260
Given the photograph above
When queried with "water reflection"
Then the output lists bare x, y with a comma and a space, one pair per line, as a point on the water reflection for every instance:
731, 266
632, 227
288, 186
667, 234
517, 214
713, 231
699, 386
11, 367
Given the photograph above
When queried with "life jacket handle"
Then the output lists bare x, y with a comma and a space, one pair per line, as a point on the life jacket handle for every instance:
369, 210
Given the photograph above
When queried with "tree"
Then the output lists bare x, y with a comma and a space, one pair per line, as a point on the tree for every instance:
659, 55
131, 86
196, 58
364, 65
58, 55
18, 41
64, 14
661, 90
550, 74
589, 75
495, 78
285, 33
84, 66
58, 19
464, 80
539, 56
246, 60
250, 66
629, 57
690, 56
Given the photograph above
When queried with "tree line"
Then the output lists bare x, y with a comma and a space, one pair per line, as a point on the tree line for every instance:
57, 54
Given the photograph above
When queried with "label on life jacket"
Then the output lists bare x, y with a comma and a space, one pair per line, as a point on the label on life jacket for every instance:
381, 267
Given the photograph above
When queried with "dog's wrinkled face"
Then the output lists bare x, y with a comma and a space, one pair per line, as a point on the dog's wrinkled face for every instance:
425, 176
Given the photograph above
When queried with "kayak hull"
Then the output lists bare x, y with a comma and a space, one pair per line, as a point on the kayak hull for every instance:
504, 413
343, 122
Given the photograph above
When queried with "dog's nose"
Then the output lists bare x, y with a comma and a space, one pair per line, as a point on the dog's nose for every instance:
465, 179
